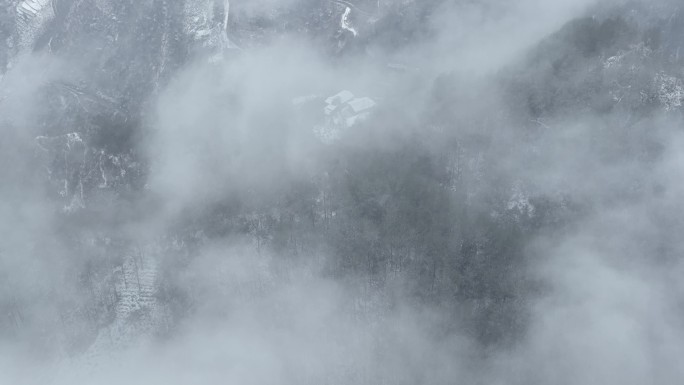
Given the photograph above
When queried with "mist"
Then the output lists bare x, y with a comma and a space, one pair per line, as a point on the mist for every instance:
343, 192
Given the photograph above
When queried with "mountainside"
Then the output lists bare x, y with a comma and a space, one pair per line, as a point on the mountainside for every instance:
366, 192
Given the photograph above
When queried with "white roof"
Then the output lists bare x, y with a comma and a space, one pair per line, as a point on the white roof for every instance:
361, 104
340, 98
329, 109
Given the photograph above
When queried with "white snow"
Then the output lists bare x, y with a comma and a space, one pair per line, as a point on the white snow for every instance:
226, 10
344, 23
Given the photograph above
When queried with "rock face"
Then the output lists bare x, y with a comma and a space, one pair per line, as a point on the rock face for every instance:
87, 121
416, 184
32, 19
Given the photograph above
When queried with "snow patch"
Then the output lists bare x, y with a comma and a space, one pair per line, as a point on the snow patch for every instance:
344, 22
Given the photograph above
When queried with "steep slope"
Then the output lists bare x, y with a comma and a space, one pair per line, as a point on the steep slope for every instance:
413, 190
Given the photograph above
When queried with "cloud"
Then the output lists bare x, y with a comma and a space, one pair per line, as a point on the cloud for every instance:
604, 296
